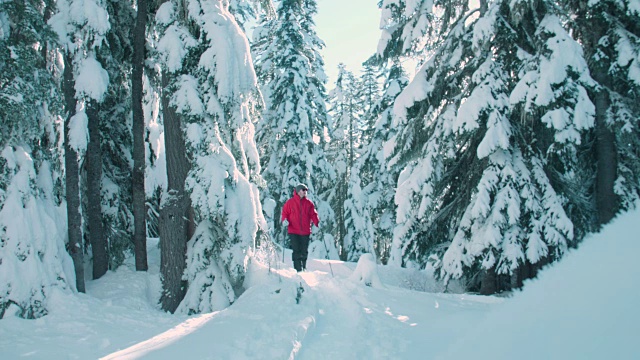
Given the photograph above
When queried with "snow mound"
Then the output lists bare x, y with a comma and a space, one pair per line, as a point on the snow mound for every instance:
366, 272
584, 307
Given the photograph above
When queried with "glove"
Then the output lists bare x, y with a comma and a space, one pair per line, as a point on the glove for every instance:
285, 222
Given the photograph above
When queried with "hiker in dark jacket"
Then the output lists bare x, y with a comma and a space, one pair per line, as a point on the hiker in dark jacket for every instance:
299, 212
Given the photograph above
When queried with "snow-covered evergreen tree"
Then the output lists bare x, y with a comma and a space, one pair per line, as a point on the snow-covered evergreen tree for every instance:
370, 89
477, 127
33, 260
292, 133
248, 10
213, 91
82, 28
611, 39
370, 95
359, 234
155, 182
345, 107
409, 28
378, 182
407, 25
115, 129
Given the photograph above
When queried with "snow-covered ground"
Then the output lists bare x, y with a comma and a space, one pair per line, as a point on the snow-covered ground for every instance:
585, 307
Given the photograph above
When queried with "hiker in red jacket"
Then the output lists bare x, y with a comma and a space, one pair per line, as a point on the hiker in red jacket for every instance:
298, 213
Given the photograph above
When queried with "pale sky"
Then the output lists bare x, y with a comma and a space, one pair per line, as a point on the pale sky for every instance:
350, 31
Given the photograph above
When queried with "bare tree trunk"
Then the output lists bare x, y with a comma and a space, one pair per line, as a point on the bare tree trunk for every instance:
352, 130
488, 282
175, 210
94, 199
341, 197
606, 155
139, 213
605, 148
484, 5
72, 179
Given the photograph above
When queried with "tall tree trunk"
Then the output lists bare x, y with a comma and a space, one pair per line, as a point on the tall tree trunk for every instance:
341, 195
175, 210
605, 147
72, 179
488, 282
139, 213
94, 199
607, 162
484, 6
351, 135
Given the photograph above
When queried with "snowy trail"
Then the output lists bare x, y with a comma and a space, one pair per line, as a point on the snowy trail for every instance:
347, 326
359, 322
336, 318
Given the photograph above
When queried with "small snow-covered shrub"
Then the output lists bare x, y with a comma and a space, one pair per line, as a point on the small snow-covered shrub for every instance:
366, 271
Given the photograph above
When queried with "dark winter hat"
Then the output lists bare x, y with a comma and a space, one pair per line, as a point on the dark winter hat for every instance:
301, 187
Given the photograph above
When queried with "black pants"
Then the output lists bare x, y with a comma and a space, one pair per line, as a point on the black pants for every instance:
300, 247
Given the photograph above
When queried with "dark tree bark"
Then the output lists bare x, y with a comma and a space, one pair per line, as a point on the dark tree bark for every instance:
176, 209
72, 179
606, 155
97, 237
605, 144
352, 129
488, 282
139, 210
484, 5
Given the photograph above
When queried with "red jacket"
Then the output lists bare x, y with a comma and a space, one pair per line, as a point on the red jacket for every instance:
300, 213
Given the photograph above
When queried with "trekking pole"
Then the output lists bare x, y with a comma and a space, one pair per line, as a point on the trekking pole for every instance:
326, 256
284, 238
